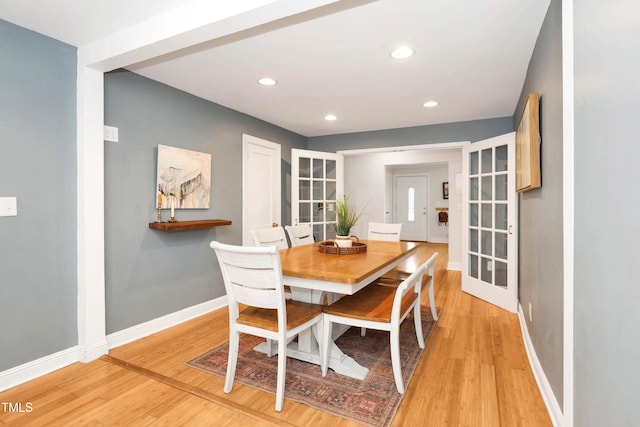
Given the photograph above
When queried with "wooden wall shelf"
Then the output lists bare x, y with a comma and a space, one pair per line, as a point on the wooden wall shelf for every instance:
188, 225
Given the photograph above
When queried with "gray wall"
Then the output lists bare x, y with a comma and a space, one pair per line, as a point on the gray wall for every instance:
150, 273
607, 199
476, 130
38, 293
540, 245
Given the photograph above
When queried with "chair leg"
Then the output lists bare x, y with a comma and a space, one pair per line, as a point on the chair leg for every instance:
326, 341
417, 321
395, 358
282, 373
234, 339
269, 347
432, 302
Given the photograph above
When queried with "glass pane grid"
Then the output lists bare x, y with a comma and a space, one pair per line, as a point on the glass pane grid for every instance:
304, 167
473, 163
318, 185
330, 169
318, 168
488, 221
501, 158
473, 240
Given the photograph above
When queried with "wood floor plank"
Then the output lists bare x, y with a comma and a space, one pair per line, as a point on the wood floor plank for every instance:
473, 372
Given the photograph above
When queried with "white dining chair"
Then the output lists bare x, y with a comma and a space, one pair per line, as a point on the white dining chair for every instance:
381, 231
253, 277
427, 282
301, 234
270, 236
381, 308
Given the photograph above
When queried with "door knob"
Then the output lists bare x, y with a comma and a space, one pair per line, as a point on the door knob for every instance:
274, 225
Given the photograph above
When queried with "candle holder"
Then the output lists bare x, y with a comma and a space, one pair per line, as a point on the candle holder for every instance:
173, 219
159, 219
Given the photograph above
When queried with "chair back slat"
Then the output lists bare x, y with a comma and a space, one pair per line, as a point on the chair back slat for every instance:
300, 234
252, 275
381, 231
272, 236
263, 298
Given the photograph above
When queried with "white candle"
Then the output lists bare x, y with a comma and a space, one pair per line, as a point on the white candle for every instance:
172, 202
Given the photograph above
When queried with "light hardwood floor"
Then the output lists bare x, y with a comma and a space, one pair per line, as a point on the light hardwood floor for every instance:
473, 372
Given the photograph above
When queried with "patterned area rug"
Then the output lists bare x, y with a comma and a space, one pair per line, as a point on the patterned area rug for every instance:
372, 401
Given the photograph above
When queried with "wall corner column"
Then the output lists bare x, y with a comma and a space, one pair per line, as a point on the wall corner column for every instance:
92, 341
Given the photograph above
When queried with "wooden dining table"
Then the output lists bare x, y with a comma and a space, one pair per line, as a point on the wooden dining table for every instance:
319, 277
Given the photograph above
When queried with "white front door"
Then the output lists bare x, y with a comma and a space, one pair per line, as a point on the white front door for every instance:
261, 191
490, 238
317, 180
411, 206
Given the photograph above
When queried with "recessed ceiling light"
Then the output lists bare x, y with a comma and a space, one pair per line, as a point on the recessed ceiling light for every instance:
430, 104
330, 117
267, 81
402, 52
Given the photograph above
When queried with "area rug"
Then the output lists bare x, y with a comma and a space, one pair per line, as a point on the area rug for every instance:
372, 401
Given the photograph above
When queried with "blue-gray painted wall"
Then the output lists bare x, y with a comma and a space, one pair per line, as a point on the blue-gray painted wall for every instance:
607, 206
38, 290
150, 273
476, 130
540, 216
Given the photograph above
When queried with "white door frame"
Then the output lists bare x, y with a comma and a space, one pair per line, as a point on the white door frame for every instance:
276, 187
455, 225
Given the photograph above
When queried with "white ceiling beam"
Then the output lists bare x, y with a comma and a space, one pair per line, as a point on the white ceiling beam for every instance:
196, 22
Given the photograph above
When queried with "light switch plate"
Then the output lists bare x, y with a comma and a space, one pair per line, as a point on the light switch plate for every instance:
110, 133
8, 206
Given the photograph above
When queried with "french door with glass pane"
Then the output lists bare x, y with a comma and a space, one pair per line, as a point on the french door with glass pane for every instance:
316, 183
489, 261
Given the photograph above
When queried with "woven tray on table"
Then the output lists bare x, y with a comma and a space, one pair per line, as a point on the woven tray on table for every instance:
330, 247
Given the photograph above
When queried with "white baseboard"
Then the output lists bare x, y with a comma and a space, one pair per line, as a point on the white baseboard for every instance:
52, 362
88, 354
543, 384
454, 266
438, 239
36, 368
145, 329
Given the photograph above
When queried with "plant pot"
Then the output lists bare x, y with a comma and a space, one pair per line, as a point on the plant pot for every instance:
345, 241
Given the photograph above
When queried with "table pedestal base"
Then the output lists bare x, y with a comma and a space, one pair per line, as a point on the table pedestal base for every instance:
338, 361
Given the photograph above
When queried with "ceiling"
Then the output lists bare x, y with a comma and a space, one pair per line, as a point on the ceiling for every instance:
470, 55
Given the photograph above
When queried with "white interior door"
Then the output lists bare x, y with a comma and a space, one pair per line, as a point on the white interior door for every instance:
489, 261
317, 180
261, 190
411, 194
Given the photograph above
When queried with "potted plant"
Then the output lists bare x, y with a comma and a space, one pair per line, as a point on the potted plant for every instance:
346, 217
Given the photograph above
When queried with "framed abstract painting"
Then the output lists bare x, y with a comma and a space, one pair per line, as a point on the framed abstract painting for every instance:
183, 178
